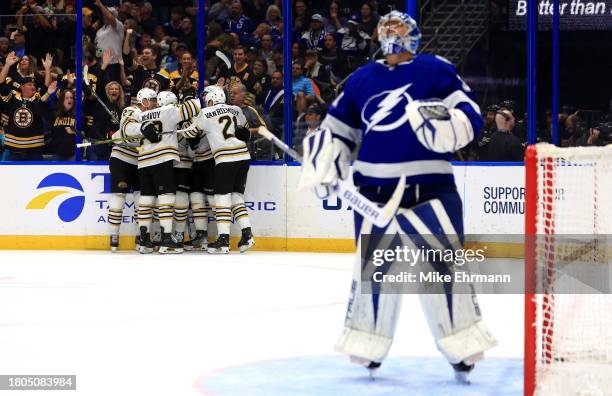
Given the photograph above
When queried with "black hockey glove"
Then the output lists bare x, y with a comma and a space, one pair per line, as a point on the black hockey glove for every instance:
193, 142
243, 133
149, 131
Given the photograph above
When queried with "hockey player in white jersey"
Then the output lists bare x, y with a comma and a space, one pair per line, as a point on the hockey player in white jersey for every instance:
123, 163
202, 193
220, 122
158, 154
182, 172
405, 115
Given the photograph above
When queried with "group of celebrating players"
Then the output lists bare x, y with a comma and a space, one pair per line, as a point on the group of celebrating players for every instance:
176, 156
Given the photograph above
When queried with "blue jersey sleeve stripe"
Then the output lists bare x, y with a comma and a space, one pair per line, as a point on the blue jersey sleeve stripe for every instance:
410, 168
452, 100
341, 129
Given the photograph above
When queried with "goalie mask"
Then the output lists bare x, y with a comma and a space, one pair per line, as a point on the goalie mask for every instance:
397, 33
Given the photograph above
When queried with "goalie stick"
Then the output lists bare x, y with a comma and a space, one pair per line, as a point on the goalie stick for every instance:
380, 217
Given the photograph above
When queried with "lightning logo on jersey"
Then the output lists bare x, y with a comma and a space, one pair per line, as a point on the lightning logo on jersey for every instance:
386, 111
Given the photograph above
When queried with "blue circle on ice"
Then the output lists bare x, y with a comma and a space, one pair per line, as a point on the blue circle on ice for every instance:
335, 376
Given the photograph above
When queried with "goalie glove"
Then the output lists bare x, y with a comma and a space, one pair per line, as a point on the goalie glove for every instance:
326, 161
150, 132
438, 128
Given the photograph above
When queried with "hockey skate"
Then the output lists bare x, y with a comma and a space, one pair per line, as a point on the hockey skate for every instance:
200, 241
156, 240
114, 242
462, 372
368, 364
168, 245
178, 239
220, 246
146, 246
246, 241
137, 243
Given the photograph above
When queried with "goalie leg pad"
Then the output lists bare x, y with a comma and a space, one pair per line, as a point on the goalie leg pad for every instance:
115, 212
370, 318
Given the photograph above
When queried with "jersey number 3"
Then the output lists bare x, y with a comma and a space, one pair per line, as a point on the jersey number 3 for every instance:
227, 122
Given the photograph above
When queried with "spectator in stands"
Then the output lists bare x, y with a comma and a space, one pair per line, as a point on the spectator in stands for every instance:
334, 59
173, 26
312, 122
267, 48
24, 139
238, 23
563, 127
189, 35
238, 96
89, 32
252, 54
110, 36
303, 92
146, 73
4, 49
18, 43
277, 61
297, 51
334, 21
241, 71
274, 20
147, 20
314, 37
37, 29
219, 11
318, 74
484, 138
354, 42
262, 79
185, 79
62, 119
368, 20
98, 124
300, 16
504, 145
273, 108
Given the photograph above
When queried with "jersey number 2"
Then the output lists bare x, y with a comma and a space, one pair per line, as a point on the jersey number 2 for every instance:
227, 122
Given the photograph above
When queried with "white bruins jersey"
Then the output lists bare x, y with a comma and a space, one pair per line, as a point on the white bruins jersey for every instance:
219, 124
186, 155
203, 151
128, 126
165, 119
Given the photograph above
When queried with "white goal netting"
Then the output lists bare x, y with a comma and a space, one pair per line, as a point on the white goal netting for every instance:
573, 307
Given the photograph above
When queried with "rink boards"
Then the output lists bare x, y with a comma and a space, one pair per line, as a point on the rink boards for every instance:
52, 206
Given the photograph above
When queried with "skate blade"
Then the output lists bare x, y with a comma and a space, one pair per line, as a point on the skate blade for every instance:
114, 249
218, 251
144, 250
462, 377
163, 250
246, 247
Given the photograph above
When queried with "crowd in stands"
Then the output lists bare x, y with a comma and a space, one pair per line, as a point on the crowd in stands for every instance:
132, 44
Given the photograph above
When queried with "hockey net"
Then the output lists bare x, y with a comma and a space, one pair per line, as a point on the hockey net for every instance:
568, 336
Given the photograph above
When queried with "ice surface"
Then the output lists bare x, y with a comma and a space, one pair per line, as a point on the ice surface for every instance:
251, 324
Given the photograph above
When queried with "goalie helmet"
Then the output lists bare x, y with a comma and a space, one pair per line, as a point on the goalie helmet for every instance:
145, 93
216, 95
166, 98
397, 33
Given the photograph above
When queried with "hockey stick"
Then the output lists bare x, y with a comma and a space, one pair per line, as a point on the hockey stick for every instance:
95, 95
380, 217
116, 140
227, 62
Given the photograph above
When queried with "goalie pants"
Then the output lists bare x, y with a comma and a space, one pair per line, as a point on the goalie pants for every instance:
454, 319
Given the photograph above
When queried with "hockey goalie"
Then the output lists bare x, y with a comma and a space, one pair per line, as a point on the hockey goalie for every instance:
404, 116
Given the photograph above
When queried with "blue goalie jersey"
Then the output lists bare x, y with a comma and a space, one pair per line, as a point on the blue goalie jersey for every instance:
371, 113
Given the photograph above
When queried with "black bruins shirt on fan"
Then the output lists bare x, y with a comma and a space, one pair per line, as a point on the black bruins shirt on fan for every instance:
156, 79
188, 91
24, 130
